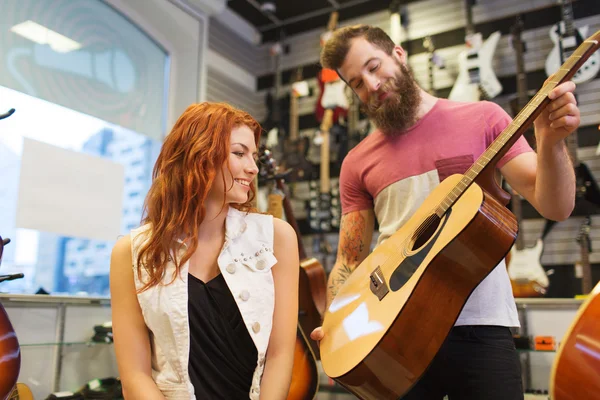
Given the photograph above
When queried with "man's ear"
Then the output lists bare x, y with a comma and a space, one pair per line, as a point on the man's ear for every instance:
400, 54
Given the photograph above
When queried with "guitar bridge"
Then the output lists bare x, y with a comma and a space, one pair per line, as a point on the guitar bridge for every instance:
378, 285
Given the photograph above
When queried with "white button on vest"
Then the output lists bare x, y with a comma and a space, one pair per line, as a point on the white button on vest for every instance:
256, 327
231, 268
261, 264
244, 295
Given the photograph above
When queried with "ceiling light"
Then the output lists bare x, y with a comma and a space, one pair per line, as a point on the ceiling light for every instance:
42, 35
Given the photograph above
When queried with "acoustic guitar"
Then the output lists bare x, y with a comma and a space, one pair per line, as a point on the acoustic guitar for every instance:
305, 374
21, 392
392, 315
575, 369
10, 352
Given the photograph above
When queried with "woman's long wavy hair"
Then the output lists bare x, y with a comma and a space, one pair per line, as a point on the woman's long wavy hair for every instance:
191, 156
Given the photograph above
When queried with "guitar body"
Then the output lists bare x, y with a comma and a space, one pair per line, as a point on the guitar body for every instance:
476, 77
590, 68
10, 355
313, 298
305, 376
577, 366
587, 189
373, 345
332, 93
21, 392
527, 276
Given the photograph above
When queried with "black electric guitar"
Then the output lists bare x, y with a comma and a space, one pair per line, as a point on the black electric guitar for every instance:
566, 38
585, 246
522, 98
323, 206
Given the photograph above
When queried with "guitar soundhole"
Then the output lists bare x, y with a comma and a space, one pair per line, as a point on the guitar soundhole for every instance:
426, 231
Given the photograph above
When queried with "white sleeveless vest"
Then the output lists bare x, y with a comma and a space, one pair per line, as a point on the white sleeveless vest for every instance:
245, 262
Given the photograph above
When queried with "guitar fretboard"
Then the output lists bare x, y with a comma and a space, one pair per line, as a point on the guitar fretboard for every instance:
511, 133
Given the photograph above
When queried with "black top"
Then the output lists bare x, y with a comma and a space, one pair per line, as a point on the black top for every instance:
222, 353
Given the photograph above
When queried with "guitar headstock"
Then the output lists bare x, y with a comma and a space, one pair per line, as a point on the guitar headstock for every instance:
268, 164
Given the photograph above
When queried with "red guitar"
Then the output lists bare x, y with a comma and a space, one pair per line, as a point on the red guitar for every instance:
10, 353
332, 95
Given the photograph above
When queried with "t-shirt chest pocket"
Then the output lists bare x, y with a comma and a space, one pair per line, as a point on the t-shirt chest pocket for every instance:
453, 165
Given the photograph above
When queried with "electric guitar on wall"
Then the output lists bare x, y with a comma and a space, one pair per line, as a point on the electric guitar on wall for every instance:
433, 60
585, 246
394, 312
476, 78
331, 86
21, 392
323, 206
566, 38
527, 276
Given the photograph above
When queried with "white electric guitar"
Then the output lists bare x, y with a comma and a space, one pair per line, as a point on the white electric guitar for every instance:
476, 78
527, 276
566, 38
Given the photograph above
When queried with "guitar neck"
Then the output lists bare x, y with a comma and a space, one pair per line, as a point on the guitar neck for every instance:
324, 167
522, 121
567, 17
293, 117
470, 28
291, 219
586, 276
519, 47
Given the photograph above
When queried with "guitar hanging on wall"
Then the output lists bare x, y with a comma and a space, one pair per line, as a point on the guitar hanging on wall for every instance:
305, 374
433, 61
566, 38
585, 246
476, 78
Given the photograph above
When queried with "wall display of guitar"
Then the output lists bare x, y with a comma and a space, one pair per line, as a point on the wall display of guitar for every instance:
323, 206
295, 147
527, 276
476, 78
585, 245
331, 86
566, 38
391, 316
10, 352
575, 369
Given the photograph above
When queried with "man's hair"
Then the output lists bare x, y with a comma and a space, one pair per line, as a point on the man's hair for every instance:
336, 48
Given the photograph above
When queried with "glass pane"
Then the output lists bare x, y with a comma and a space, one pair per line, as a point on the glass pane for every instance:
55, 263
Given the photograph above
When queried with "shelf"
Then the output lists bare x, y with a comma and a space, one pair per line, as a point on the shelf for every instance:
90, 344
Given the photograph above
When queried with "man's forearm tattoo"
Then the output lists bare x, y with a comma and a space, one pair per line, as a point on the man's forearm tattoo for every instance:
351, 247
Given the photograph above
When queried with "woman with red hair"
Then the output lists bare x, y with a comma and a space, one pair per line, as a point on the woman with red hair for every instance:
205, 293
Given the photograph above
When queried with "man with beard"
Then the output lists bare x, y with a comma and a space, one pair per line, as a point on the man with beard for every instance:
420, 141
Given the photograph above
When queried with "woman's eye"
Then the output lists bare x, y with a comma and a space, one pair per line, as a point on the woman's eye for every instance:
239, 154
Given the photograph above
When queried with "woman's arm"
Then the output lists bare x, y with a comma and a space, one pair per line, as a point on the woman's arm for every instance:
280, 353
130, 334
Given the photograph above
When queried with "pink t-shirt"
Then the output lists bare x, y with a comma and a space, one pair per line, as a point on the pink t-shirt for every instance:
393, 176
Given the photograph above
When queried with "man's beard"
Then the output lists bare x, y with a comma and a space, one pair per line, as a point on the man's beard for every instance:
398, 111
